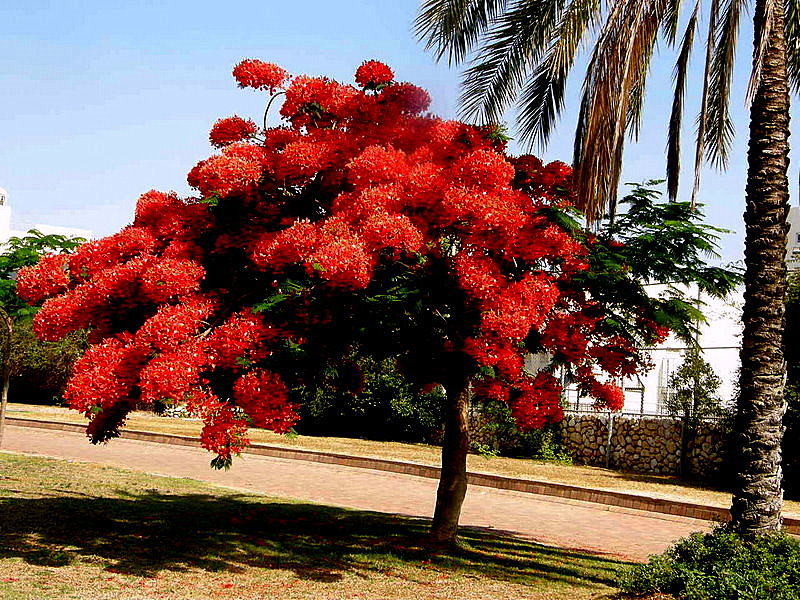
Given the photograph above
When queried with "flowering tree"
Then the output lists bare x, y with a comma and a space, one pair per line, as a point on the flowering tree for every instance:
361, 222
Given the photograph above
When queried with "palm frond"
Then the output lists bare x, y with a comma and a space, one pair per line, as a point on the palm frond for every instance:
617, 67
542, 98
719, 135
702, 117
676, 117
792, 34
509, 50
669, 26
453, 27
637, 93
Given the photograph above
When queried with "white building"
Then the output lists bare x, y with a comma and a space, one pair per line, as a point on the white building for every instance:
719, 341
7, 232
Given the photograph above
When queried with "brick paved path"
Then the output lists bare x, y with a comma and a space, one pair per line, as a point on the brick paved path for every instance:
623, 533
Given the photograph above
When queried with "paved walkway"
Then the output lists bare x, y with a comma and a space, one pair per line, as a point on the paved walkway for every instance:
618, 532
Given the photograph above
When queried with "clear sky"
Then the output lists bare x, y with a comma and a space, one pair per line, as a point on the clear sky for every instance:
102, 101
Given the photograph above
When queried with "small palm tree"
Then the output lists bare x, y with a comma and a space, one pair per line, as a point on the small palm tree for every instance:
525, 50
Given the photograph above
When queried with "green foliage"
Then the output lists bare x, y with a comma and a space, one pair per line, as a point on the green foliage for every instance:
656, 242
40, 370
721, 566
370, 398
497, 434
694, 387
25, 251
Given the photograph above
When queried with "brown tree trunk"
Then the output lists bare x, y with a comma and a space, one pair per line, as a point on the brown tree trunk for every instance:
453, 479
5, 366
757, 493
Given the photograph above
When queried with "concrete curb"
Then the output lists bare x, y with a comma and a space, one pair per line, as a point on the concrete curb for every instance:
625, 500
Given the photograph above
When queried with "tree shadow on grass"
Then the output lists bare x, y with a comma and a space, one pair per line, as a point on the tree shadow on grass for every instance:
143, 534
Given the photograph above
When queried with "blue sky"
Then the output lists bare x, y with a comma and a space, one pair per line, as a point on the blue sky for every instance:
102, 101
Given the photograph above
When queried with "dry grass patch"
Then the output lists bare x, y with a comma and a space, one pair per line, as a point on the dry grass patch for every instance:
83, 531
660, 486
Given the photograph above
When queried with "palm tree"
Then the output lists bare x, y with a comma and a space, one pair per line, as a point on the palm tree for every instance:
525, 50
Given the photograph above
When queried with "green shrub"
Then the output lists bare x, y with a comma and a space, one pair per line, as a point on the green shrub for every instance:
721, 566
382, 405
496, 433
40, 370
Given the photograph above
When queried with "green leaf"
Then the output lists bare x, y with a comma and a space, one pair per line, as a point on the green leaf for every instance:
221, 462
269, 303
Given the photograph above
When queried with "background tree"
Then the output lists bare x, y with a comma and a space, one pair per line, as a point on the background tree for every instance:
526, 49
693, 398
693, 389
15, 314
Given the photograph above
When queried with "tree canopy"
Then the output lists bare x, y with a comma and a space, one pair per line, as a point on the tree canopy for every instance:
361, 222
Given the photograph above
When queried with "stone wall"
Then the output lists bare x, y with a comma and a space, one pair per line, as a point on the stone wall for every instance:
706, 450
584, 437
644, 445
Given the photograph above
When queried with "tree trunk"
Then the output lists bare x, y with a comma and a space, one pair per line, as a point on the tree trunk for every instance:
757, 493
453, 479
5, 367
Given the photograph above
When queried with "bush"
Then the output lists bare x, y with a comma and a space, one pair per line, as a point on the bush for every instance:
721, 566
495, 433
383, 405
40, 370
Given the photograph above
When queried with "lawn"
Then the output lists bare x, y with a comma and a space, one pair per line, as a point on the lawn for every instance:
83, 531
659, 486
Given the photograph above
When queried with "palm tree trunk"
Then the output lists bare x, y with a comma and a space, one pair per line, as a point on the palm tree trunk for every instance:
453, 479
758, 496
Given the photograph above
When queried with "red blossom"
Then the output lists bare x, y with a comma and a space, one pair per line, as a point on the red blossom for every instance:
230, 130
48, 278
260, 75
608, 395
406, 98
372, 74
539, 403
265, 399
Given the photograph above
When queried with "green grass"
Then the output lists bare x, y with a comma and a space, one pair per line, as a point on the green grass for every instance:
76, 530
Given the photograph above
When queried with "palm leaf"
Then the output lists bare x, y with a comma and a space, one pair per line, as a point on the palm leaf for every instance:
702, 117
616, 71
542, 98
453, 27
509, 49
720, 130
669, 27
792, 34
676, 117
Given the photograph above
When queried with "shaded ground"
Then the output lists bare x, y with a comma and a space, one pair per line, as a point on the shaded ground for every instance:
71, 530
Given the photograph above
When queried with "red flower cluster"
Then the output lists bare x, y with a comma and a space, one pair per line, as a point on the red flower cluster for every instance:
46, 279
230, 130
372, 74
265, 398
260, 75
222, 302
